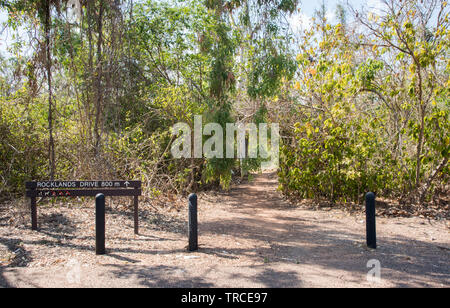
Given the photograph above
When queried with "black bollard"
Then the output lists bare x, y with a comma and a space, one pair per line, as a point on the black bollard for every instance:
371, 232
136, 214
193, 223
34, 224
100, 224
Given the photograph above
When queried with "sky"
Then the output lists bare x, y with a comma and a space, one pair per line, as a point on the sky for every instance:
309, 7
302, 19
3, 36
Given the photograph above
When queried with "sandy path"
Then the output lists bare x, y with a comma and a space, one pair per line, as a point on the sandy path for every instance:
249, 237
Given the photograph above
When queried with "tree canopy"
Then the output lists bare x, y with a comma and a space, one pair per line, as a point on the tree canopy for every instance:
91, 89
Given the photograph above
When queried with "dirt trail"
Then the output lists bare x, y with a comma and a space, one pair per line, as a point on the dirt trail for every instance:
249, 237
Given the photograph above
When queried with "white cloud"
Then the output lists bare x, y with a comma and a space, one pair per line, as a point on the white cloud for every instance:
375, 6
331, 16
300, 21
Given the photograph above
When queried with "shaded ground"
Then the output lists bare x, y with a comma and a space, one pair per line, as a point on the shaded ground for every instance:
249, 237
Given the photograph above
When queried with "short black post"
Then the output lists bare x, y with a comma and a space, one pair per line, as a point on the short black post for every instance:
136, 214
100, 224
193, 223
34, 224
371, 233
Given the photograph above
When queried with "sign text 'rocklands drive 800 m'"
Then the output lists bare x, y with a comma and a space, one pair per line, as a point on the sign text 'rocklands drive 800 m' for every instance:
82, 184
54, 189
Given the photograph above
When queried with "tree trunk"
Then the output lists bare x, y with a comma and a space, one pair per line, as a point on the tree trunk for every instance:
51, 148
99, 75
419, 148
426, 187
422, 113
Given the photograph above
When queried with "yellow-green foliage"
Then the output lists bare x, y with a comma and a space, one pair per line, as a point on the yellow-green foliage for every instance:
372, 116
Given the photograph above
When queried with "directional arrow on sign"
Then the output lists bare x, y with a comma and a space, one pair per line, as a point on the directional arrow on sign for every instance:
127, 183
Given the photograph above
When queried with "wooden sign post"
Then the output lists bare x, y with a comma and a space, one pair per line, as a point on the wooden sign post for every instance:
55, 189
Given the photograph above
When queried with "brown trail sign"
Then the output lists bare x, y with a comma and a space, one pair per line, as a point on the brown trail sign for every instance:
55, 189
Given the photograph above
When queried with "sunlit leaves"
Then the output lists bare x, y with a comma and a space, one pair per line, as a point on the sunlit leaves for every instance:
371, 96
